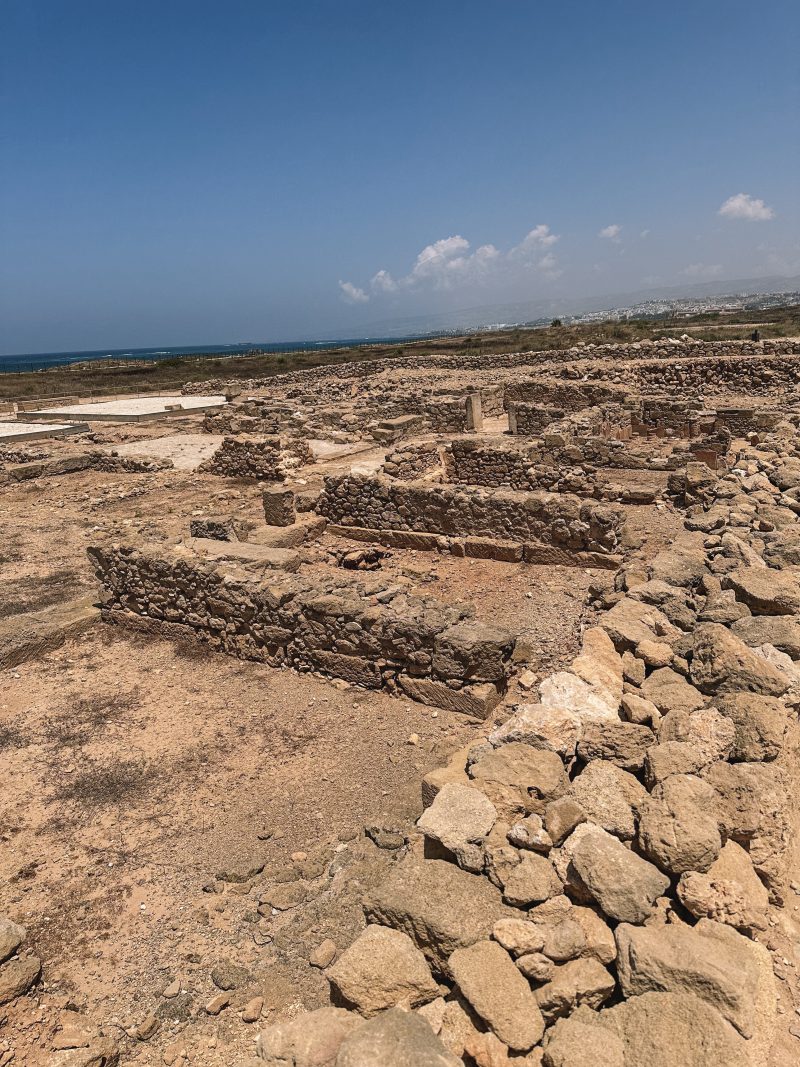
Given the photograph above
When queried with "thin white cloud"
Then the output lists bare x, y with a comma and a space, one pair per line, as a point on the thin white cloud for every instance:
702, 270
539, 237
611, 233
548, 265
644, 233
383, 282
744, 206
451, 262
352, 294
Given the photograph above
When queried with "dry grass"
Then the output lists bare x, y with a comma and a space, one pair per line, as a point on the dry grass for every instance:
12, 737
99, 784
82, 721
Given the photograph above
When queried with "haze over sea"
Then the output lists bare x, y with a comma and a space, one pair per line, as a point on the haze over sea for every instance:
43, 360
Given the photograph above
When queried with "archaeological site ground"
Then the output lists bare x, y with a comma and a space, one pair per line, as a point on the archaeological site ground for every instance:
422, 711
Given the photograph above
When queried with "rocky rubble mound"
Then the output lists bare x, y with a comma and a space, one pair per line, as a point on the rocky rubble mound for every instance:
590, 883
19, 970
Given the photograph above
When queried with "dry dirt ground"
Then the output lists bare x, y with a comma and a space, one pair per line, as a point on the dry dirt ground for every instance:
142, 778
136, 772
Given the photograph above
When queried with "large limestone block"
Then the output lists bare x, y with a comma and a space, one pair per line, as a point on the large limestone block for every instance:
709, 733
438, 905
455, 770
765, 591
709, 960
753, 806
395, 1039
683, 564
475, 700
531, 881
310, 1040
600, 665
670, 691
578, 1042
582, 981
471, 650
541, 726
630, 621
17, 976
566, 690
536, 776
610, 797
459, 819
679, 825
11, 937
729, 892
759, 723
674, 1030
721, 663
624, 885
622, 743
382, 969
778, 630
488, 978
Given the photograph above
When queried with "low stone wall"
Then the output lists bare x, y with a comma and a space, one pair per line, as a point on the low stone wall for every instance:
265, 458
453, 414
108, 462
556, 393
527, 419
602, 878
499, 465
408, 462
383, 504
664, 349
742, 421
756, 375
428, 650
233, 420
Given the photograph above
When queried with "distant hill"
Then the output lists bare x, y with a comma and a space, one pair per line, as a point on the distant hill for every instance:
543, 310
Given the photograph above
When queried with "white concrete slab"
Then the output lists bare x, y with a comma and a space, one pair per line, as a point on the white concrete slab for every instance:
131, 409
28, 431
187, 450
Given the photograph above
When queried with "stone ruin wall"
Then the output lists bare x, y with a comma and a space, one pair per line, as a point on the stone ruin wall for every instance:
432, 652
531, 419
382, 504
15, 466
756, 376
593, 881
662, 350
265, 458
498, 465
567, 396
411, 461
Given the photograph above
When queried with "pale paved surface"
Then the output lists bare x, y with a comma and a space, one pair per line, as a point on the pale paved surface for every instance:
133, 408
187, 451
322, 450
28, 431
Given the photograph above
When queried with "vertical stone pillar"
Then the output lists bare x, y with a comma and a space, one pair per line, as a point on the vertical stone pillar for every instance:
512, 417
279, 507
474, 412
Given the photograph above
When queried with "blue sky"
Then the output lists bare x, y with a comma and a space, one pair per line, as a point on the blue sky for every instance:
186, 172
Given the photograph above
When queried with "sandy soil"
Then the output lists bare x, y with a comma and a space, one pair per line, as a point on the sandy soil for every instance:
168, 812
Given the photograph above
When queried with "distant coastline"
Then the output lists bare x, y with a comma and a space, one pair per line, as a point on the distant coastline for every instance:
15, 364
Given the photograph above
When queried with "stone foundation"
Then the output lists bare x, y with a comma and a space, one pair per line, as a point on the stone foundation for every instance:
264, 458
431, 651
563, 521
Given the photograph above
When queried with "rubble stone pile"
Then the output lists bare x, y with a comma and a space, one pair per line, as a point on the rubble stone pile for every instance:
593, 882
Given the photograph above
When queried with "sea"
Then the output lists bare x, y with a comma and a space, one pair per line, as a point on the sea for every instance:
43, 360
